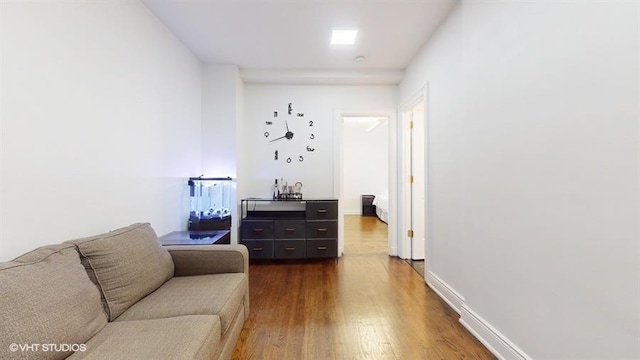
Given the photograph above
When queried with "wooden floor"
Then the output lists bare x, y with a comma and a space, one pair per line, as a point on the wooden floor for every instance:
366, 305
417, 265
365, 235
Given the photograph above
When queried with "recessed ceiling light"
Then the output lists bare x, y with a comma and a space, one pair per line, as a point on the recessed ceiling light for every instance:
344, 37
359, 59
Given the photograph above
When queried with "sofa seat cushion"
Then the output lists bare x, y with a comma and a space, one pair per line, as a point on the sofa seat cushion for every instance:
184, 337
46, 297
126, 264
217, 294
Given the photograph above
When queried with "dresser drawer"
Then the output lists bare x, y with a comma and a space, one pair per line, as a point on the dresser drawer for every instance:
322, 248
290, 249
319, 210
259, 249
257, 229
322, 229
290, 229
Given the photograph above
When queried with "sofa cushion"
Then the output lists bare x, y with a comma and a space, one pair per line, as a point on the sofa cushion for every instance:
46, 297
218, 294
127, 264
185, 337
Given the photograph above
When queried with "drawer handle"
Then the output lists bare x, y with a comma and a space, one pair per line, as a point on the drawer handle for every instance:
258, 230
322, 211
290, 229
257, 249
321, 230
321, 248
290, 248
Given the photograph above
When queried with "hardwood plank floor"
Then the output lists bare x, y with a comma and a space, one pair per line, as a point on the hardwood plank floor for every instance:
417, 265
365, 235
366, 305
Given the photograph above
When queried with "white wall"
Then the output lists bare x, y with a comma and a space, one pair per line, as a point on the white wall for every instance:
219, 118
533, 174
221, 107
100, 121
319, 104
365, 162
240, 153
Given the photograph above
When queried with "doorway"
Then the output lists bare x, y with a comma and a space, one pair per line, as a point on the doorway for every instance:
365, 173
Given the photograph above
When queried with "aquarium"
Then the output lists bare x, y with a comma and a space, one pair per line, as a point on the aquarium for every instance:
210, 203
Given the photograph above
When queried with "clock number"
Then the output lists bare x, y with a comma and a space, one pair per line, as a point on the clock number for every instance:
275, 114
310, 123
309, 148
288, 160
300, 114
290, 109
312, 137
268, 122
300, 158
266, 134
276, 155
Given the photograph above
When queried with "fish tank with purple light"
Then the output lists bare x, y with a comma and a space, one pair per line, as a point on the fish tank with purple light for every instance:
210, 203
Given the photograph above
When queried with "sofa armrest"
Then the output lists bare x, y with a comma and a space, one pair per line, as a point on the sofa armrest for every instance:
209, 259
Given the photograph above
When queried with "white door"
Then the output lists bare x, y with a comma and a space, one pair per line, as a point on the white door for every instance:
414, 198
418, 184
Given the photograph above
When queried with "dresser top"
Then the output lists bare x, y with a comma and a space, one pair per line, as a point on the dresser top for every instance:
288, 200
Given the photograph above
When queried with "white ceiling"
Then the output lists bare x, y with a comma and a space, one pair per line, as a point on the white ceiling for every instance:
295, 34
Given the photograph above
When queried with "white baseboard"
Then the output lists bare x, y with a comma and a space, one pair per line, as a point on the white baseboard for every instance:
491, 338
353, 212
445, 291
497, 343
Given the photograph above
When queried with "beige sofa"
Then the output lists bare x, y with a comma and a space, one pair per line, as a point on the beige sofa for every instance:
121, 295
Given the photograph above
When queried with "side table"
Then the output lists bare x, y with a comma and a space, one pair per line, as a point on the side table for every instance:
206, 237
368, 209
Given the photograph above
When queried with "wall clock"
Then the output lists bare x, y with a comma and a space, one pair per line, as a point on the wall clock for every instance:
290, 135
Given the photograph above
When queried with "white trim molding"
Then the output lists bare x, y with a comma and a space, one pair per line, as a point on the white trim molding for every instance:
446, 292
497, 343
322, 77
491, 338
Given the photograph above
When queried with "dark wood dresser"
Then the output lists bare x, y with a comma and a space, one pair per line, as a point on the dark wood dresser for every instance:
290, 229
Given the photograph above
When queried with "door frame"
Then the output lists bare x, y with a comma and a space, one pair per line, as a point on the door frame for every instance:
338, 178
404, 204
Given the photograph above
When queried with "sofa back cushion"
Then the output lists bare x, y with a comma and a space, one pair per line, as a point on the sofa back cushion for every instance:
126, 264
47, 298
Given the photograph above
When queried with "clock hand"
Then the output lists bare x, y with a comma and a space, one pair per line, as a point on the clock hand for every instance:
288, 136
281, 137
287, 124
